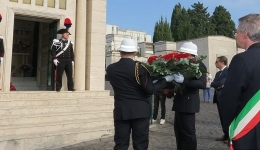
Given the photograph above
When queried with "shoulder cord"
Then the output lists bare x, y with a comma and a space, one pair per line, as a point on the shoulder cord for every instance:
137, 74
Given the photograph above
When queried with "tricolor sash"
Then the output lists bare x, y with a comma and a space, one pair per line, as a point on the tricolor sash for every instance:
246, 120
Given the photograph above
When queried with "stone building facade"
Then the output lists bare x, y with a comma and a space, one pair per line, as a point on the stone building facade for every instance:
28, 27
138, 36
46, 119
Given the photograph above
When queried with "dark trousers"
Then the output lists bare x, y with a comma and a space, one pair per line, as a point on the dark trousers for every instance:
64, 64
159, 97
221, 121
140, 133
185, 132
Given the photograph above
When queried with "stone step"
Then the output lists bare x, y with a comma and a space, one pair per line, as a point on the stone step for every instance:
47, 118
52, 127
15, 79
54, 101
25, 83
51, 94
35, 110
27, 88
54, 140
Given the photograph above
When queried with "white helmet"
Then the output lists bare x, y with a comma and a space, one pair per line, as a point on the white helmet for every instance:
189, 47
128, 45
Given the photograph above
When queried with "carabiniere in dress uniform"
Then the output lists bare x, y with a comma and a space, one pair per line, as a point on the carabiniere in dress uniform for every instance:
63, 59
2, 50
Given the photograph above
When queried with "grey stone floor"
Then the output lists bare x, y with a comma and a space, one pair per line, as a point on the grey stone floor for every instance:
162, 136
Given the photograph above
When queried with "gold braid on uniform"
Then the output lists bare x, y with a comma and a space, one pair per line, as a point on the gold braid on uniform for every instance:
137, 72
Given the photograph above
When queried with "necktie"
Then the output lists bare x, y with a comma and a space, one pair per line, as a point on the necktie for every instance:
220, 73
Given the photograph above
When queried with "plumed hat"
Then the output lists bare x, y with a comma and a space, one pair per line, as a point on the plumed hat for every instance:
61, 31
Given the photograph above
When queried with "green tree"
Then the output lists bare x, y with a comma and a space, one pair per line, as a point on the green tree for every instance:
162, 31
180, 24
176, 13
200, 20
223, 23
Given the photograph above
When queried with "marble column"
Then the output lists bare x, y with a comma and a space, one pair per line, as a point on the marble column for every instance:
80, 46
96, 41
8, 50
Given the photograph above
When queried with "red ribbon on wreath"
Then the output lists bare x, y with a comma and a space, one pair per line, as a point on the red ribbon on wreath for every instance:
67, 23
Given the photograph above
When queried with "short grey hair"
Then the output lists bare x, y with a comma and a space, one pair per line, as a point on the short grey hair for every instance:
251, 24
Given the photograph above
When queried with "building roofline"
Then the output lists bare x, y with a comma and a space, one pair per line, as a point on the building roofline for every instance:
163, 42
209, 36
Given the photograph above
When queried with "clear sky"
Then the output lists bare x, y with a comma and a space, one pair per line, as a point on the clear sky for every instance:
142, 14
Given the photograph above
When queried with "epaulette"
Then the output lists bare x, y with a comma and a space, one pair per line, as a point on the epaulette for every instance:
71, 42
57, 44
55, 41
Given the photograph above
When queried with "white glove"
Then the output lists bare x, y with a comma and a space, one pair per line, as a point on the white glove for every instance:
169, 78
72, 62
179, 78
1, 59
154, 81
55, 61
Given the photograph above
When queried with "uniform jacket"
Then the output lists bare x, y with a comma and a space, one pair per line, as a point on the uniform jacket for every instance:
2, 51
189, 100
59, 46
218, 82
242, 83
132, 100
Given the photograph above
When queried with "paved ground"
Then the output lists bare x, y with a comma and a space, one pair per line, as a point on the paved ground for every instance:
162, 136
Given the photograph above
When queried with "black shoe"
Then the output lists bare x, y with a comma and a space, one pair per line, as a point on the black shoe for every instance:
223, 138
72, 90
225, 142
57, 90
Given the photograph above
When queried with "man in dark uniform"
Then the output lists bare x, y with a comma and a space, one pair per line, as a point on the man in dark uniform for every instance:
218, 84
186, 104
2, 50
132, 86
240, 97
63, 59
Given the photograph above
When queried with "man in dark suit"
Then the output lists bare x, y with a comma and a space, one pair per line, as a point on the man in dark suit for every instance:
63, 59
186, 104
218, 84
240, 97
132, 86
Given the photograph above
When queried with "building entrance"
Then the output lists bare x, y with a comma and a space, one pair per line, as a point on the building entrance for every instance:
32, 67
